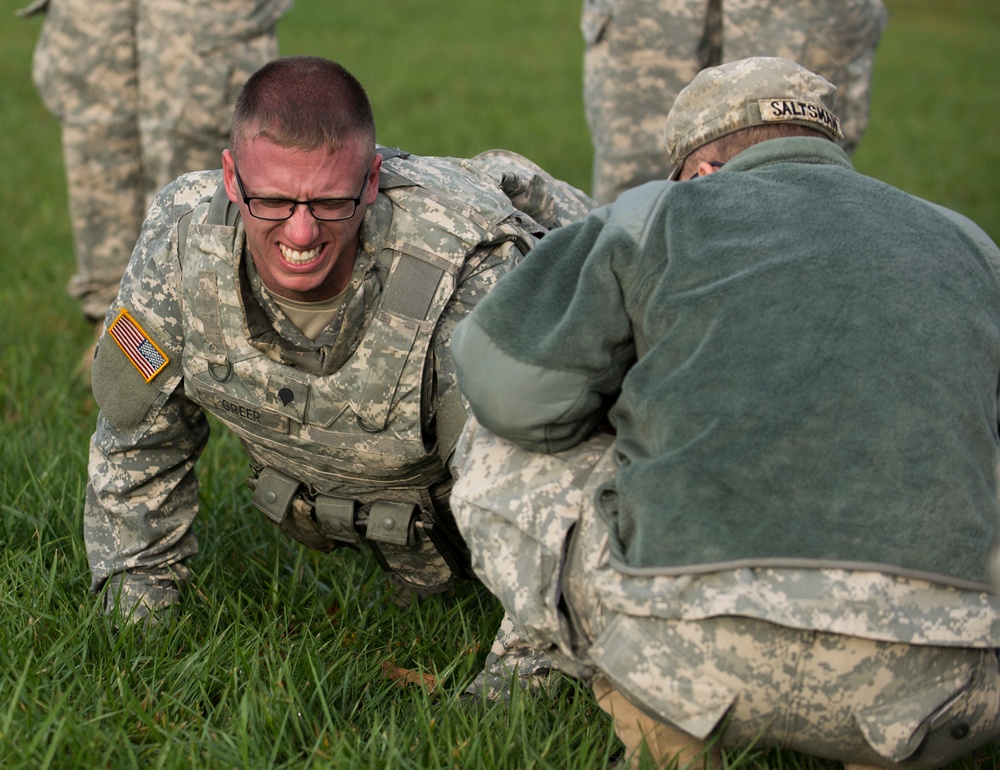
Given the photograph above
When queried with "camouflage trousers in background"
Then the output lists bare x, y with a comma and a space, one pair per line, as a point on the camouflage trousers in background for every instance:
640, 53
144, 91
537, 543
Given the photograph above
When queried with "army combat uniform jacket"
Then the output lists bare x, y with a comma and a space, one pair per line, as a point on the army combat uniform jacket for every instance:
348, 434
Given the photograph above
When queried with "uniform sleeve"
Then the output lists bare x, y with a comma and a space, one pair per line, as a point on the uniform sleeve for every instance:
541, 358
142, 493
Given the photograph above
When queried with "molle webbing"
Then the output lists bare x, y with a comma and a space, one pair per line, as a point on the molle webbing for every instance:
207, 303
388, 521
388, 153
222, 212
335, 428
405, 303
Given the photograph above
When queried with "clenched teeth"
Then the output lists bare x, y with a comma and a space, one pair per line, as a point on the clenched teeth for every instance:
298, 257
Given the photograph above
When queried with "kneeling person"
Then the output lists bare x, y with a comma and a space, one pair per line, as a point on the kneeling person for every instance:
749, 484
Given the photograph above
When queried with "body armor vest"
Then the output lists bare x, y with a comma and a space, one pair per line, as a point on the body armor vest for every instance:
340, 456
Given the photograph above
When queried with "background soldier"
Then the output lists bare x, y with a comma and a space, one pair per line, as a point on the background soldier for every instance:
640, 53
144, 91
305, 295
786, 542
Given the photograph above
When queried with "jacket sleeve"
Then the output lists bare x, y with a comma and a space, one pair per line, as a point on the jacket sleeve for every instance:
991, 254
142, 493
542, 357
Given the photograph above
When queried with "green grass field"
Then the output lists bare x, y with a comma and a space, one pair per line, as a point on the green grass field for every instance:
287, 658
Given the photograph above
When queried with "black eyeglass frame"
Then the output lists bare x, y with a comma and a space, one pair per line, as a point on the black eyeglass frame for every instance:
293, 203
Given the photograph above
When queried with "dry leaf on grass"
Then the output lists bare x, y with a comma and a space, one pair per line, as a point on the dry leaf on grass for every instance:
404, 676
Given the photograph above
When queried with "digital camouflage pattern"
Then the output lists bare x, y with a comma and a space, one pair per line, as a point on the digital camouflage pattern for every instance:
306, 409
837, 697
883, 664
640, 53
140, 595
551, 202
341, 417
510, 660
750, 92
144, 90
347, 420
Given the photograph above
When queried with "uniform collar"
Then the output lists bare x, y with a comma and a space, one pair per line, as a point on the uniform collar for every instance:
796, 149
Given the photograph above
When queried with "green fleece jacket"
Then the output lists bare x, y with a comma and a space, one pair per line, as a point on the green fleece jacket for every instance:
801, 364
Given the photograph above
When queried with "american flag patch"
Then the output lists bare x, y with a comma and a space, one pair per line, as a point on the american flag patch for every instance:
137, 346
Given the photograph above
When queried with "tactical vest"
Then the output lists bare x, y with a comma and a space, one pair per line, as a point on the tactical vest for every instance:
341, 457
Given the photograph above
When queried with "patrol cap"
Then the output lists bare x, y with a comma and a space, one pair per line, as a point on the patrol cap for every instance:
762, 90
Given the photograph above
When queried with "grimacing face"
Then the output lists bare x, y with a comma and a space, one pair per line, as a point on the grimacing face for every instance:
302, 258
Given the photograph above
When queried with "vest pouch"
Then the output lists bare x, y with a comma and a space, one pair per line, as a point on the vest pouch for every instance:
274, 493
335, 516
406, 547
392, 522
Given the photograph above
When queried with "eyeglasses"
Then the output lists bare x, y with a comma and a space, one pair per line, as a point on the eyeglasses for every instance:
712, 163
279, 209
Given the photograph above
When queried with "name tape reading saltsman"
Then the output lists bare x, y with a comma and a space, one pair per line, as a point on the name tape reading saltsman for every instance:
779, 110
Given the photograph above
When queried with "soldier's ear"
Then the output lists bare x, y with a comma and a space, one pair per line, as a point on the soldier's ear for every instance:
229, 177
707, 168
371, 190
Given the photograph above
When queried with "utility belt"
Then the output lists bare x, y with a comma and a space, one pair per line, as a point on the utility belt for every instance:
405, 538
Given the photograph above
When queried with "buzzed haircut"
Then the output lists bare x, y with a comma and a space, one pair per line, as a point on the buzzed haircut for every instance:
731, 145
305, 102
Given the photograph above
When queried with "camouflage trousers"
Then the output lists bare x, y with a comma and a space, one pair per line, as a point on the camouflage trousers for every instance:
512, 662
673, 685
144, 91
640, 53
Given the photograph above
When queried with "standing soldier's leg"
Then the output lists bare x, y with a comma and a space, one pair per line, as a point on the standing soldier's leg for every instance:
639, 54
859, 26
834, 38
193, 59
85, 72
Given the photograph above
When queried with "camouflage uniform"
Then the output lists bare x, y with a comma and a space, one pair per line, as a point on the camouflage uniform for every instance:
349, 433
641, 53
144, 91
787, 539
880, 665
